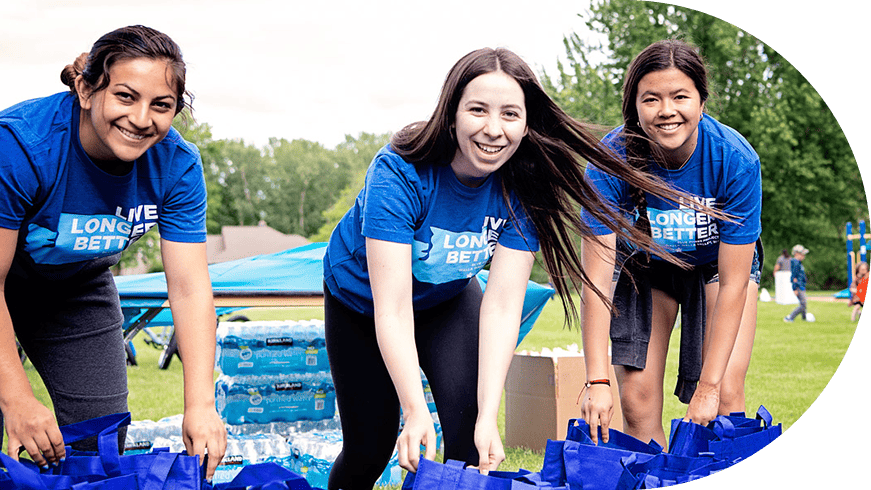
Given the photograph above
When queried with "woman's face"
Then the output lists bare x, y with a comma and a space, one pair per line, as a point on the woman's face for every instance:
669, 110
132, 114
490, 123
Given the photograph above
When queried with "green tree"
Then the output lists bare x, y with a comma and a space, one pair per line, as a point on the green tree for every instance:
809, 173
357, 153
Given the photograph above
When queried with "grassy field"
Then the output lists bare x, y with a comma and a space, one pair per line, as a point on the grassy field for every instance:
791, 364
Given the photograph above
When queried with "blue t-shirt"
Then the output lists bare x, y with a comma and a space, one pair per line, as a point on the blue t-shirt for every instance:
452, 229
723, 172
71, 214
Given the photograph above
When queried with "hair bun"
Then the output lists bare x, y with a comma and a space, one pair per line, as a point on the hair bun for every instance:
70, 72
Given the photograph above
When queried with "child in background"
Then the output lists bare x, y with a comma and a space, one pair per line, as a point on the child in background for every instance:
857, 290
799, 282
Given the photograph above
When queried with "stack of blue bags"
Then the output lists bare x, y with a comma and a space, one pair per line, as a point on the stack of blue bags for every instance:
623, 463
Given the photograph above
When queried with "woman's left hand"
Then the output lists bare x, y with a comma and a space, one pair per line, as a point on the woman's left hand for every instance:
203, 432
704, 405
490, 451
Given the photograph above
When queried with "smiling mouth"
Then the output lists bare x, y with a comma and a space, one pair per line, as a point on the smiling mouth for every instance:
490, 150
131, 135
668, 127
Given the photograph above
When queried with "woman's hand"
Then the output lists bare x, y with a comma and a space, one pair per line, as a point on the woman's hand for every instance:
418, 431
29, 424
597, 410
203, 432
490, 451
704, 405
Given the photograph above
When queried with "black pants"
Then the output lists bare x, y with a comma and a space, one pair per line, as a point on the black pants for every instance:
447, 346
71, 333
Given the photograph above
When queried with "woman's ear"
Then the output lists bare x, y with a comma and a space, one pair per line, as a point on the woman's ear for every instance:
83, 91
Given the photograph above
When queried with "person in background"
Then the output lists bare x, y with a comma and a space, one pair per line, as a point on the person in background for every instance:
86, 173
782, 263
799, 283
492, 177
667, 130
857, 290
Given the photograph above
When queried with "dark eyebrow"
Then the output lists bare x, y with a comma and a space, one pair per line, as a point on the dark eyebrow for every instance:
135, 92
507, 106
657, 93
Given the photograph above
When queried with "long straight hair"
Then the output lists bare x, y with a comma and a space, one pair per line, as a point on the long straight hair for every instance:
546, 173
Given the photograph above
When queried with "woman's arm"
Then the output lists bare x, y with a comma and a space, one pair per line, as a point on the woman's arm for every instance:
193, 313
734, 271
598, 405
390, 276
501, 310
29, 424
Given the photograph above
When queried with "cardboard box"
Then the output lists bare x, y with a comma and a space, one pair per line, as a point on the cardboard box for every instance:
541, 395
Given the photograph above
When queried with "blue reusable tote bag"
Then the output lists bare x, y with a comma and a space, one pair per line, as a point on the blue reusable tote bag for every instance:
731, 438
664, 470
156, 470
453, 475
27, 476
739, 437
598, 467
263, 476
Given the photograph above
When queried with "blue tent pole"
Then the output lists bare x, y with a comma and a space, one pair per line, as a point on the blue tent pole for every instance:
849, 253
862, 248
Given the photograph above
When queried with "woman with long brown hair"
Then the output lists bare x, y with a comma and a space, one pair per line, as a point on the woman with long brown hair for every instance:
493, 176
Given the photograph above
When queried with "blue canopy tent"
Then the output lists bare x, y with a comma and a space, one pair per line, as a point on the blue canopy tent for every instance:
293, 277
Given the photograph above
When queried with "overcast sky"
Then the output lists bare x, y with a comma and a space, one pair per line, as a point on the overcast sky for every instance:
315, 69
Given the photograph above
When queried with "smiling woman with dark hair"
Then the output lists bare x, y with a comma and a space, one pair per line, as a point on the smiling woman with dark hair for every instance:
85, 174
667, 132
492, 177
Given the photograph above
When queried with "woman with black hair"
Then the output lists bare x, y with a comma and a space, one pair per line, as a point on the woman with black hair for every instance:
667, 132
84, 174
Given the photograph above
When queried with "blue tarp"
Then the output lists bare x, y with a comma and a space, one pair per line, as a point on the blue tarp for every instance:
294, 272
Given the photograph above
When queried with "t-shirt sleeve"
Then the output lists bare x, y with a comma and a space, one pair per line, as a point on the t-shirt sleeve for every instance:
743, 201
19, 182
183, 218
391, 202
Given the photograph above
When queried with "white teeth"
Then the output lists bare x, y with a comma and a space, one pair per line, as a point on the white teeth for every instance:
489, 149
668, 127
131, 135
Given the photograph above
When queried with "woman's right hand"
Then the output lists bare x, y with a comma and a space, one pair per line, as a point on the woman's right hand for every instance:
418, 431
31, 425
597, 410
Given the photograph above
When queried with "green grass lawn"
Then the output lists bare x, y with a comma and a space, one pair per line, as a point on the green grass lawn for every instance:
791, 364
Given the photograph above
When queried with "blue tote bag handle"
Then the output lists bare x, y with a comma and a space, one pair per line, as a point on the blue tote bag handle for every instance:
765, 416
106, 430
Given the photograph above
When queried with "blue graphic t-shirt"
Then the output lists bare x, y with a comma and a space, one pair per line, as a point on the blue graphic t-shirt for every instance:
452, 229
70, 213
723, 172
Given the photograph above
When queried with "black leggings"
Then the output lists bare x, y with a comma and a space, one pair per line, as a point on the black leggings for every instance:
72, 335
447, 346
